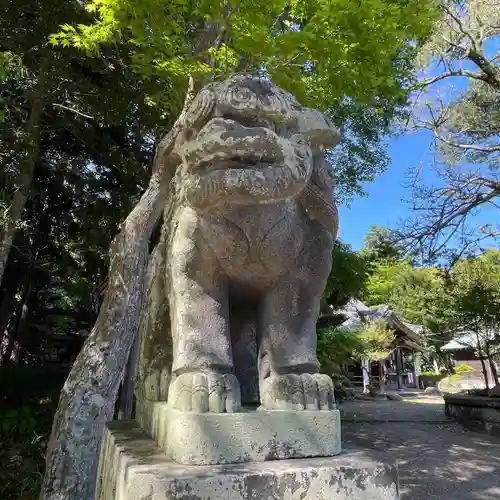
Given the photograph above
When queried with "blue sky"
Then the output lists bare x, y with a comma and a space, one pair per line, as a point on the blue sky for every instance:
384, 204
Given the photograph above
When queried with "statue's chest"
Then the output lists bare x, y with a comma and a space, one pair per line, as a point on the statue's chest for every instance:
265, 236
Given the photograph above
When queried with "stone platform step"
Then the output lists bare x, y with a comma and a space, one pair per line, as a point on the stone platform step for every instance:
133, 467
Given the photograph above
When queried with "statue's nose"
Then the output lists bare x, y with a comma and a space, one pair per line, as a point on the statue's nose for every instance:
317, 129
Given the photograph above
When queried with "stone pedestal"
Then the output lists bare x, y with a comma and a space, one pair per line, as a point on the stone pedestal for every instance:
133, 467
251, 436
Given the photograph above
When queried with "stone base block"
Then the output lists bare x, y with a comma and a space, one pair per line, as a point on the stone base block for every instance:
252, 436
477, 413
132, 467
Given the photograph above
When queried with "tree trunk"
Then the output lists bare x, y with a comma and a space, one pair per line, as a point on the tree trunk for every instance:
7, 305
21, 335
127, 389
365, 370
381, 377
485, 371
88, 397
17, 323
24, 178
494, 371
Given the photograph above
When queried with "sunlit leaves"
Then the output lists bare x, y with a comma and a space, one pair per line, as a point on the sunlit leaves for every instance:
347, 279
475, 288
376, 339
351, 47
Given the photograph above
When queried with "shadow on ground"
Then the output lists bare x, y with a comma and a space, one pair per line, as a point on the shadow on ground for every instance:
438, 459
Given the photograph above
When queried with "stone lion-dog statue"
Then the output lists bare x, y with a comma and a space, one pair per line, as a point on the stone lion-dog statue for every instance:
250, 241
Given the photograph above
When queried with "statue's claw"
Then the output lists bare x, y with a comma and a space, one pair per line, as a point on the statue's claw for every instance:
205, 392
298, 392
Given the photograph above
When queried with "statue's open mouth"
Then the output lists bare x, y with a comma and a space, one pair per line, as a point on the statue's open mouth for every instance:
243, 163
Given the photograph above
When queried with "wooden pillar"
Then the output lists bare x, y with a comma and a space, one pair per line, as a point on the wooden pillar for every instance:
435, 365
365, 367
381, 378
416, 367
397, 354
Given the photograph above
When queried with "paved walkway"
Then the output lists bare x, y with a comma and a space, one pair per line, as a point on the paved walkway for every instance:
438, 459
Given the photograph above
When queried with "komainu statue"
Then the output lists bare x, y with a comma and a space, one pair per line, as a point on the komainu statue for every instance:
249, 244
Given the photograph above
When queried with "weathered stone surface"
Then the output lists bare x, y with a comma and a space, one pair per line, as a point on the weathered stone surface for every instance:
205, 392
249, 243
432, 391
394, 397
251, 436
155, 341
494, 392
133, 468
298, 392
474, 412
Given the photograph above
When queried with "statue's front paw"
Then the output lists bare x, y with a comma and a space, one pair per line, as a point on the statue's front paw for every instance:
205, 392
298, 392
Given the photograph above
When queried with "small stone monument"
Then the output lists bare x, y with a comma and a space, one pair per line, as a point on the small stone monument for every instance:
242, 263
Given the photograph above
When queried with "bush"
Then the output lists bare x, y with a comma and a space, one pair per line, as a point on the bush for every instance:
342, 385
431, 379
28, 400
335, 348
463, 369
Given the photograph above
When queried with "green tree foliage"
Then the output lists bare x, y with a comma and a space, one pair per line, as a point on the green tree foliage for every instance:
416, 294
82, 114
354, 63
419, 295
96, 133
475, 302
475, 288
101, 116
380, 246
319, 50
347, 279
376, 340
381, 280
463, 369
385, 260
336, 348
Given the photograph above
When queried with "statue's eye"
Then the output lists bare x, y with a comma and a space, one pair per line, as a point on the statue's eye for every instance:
264, 124
240, 96
244, 94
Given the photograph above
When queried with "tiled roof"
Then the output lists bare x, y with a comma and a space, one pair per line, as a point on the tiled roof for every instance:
355, 312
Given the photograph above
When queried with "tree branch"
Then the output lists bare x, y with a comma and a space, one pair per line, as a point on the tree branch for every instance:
478, 58
442, 213
461, 27
458, 72
75, 111
471, 147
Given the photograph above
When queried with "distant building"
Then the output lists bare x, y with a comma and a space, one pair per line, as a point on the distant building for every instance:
402, 366
464, 348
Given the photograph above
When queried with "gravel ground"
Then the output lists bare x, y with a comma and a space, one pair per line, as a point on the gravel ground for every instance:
437, 459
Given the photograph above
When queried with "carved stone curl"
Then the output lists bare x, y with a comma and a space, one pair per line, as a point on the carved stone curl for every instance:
250, 242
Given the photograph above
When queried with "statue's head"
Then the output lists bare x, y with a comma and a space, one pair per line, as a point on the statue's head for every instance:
247, 141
